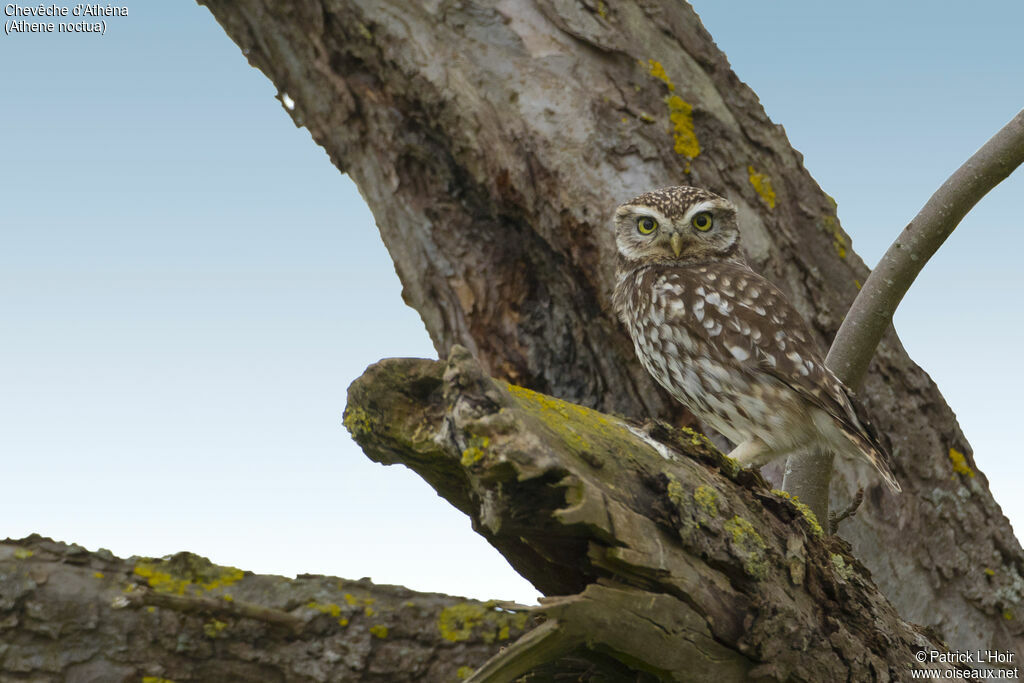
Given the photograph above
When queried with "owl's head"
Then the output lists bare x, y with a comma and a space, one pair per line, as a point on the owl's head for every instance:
677, 225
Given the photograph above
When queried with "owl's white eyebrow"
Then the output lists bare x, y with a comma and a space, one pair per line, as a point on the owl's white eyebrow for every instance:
638, 210
706, 205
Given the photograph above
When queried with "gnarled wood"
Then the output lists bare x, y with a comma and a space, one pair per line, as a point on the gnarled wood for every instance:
74, 616
492, 138
682, 567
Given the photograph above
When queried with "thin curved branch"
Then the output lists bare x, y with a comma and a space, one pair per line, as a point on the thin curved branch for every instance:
808, 477
872, 310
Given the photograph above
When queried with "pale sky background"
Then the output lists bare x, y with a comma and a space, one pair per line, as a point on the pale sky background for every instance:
188, 286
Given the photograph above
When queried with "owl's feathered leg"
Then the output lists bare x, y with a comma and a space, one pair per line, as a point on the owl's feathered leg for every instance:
753, 453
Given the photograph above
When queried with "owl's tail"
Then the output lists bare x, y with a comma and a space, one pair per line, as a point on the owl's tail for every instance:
874, 453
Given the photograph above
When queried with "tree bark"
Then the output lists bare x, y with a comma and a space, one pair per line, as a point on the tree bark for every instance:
493, 138
673, 564
78, 617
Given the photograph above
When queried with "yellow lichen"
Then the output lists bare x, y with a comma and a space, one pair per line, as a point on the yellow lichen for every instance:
803, 509
351, 599
464, 672
1008, 615
602, 9
330, 609
763, 186
748, 546
357, 422
185, 570
989, 572
475, 450
707, 499
458, 623
214, 627
97, 575
369, 611
843, 569
379, 631
960, 463
658, 71
23, 553
155, 679
680, 113
830, 225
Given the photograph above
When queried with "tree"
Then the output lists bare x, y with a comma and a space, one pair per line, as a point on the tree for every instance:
491, 143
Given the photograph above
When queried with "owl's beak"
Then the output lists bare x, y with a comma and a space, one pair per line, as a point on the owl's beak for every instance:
676, 240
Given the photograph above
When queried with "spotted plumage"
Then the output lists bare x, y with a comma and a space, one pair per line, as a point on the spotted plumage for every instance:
724, 340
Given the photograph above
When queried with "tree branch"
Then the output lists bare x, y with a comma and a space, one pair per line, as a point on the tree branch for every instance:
809, 476
71, 615
675, 564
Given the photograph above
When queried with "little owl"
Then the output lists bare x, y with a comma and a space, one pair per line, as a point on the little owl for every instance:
725, 341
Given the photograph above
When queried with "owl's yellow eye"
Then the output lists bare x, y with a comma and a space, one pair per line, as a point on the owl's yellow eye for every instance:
702, 221
646, 225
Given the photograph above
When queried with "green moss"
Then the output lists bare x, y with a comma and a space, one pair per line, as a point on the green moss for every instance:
186, 571
763, 186
707, 499
460, 622
214, 628
583, 430
804, 510
959, 461
380, 631
842, 569
748, 546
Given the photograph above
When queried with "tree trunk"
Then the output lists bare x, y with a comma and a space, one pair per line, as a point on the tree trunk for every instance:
492, 140
78, 617
675, 564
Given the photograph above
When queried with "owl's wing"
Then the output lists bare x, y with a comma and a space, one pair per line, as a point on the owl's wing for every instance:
744, 319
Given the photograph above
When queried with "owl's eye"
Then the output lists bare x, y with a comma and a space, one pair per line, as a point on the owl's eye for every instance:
646, 225
702, 221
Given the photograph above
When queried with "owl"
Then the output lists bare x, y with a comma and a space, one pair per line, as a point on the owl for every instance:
723, 340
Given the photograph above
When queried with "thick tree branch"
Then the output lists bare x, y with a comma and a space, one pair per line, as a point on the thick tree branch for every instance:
809, 476
674, 564
71, 615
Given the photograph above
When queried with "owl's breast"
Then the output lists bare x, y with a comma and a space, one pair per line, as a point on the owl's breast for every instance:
682, 343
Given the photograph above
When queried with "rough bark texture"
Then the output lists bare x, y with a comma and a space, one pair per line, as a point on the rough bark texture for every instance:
492, 139
77, 617
673, 563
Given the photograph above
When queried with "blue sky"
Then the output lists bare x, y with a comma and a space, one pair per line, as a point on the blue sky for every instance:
188, 286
